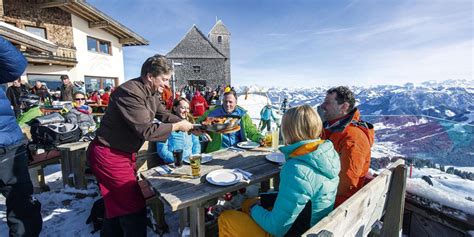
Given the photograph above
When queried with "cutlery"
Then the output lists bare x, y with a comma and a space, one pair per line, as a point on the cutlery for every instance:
246, 175
177, 175
235, 149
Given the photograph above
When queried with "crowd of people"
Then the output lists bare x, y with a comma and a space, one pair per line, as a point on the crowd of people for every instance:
327, 151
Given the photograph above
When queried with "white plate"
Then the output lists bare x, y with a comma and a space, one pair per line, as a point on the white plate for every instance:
276, 157
223, 177
205, 158
248, 145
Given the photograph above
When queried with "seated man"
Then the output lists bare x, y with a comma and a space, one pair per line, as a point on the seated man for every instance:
247, 128
352, 139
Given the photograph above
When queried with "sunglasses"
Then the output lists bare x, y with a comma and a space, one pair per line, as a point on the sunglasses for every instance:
78, 99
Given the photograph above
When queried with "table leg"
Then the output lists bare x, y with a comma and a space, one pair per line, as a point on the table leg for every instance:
78, 169
73, 167
198, 227
183, 219
265, 186
65, 167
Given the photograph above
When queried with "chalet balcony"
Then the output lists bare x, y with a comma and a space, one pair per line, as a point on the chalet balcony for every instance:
63, 56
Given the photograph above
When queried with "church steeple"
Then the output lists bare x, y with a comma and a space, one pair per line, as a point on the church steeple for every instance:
220, 38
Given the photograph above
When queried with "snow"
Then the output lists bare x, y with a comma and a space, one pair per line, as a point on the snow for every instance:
449, 113
449, 190
385, 149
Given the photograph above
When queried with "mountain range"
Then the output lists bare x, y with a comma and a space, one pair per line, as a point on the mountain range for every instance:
431, 120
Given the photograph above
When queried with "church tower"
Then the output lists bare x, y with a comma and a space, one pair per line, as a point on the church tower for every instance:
220, 38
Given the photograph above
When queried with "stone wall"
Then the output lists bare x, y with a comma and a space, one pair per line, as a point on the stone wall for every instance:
58, 23
212, 71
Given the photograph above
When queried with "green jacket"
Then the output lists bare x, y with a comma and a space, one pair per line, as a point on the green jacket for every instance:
29, 115
247, 128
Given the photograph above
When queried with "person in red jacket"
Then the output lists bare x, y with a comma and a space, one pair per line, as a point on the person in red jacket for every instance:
352, 139
106, 96
198, 104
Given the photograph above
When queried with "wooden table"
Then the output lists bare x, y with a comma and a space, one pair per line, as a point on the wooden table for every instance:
73, 164
189, 195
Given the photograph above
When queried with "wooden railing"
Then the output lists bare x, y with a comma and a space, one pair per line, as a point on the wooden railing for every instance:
383, 197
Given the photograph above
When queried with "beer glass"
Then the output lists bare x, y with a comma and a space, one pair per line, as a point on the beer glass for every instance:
195, 162
268, 139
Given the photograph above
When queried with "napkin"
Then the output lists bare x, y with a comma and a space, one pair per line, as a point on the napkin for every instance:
163, 169
246, 174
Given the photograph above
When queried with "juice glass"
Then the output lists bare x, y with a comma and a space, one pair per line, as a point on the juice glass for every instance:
275, 139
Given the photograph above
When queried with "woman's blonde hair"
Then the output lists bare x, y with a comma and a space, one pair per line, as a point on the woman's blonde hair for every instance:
301, 123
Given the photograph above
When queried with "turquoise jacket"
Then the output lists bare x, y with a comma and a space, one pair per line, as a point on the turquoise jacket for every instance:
311, 177
178, 140
267, 113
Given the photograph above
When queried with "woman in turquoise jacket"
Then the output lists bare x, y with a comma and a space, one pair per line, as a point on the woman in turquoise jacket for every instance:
189, 143
308, 183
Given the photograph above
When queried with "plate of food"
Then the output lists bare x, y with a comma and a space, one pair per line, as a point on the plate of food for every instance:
219, 124
248, 145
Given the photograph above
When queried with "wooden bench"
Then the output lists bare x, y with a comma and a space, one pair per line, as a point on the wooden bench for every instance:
36, 168
380, 202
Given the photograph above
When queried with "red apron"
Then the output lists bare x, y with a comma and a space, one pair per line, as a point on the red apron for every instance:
116, 173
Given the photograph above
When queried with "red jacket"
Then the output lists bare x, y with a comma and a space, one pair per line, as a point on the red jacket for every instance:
199, 105
353, 140
105, 98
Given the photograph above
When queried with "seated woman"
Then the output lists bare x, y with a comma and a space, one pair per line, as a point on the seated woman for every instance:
81, 114
189, 143
308, 183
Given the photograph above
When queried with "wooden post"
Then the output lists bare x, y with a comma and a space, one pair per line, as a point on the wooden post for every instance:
198, 227
183, 219
65, 166
393, 219
2, 12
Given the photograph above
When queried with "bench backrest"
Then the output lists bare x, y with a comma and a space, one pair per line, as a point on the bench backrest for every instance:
357, 215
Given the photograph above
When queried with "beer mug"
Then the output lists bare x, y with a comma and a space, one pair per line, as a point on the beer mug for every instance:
195, 162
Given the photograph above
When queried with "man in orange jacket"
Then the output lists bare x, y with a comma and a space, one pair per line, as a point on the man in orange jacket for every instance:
352, 139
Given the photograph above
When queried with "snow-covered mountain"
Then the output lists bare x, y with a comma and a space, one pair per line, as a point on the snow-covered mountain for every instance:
451, 99
432, 120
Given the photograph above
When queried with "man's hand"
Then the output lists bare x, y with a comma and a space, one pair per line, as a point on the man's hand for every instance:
182, 125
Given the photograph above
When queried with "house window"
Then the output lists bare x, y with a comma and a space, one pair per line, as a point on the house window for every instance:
53, 82
98, 46
219, 39
41, 32
197, 69
95, 83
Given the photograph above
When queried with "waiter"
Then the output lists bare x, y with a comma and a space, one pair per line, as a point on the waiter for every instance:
128, 122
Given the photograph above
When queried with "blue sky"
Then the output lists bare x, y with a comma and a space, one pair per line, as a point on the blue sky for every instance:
305, 43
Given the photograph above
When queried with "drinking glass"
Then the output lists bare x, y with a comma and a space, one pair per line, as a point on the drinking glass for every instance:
178, 157
195, 161
275, 139
268, 139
